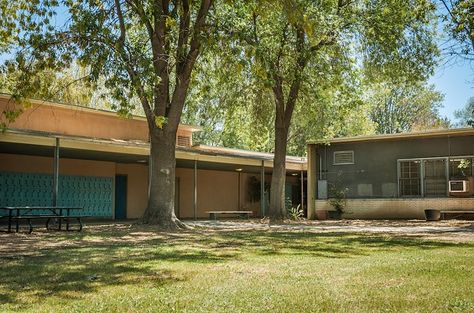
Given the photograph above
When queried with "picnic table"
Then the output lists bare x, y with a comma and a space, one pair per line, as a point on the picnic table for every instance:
29, 213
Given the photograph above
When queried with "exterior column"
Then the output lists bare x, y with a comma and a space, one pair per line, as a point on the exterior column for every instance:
195, 190
239, 202
302, 190
312, 186
56, 173
262, 189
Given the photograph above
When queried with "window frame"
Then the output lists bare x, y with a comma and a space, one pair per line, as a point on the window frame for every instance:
399, 178
422, 172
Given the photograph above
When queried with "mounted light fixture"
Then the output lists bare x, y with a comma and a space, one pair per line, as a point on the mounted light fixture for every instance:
238, 169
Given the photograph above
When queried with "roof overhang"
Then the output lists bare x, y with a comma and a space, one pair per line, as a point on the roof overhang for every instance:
400, 136
123, 151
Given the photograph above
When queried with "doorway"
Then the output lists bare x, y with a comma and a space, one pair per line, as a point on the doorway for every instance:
120, 197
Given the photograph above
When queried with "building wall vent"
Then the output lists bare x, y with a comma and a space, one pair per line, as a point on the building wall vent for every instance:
343, 157
184, 141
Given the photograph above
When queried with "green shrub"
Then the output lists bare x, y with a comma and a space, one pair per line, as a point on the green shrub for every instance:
295, 213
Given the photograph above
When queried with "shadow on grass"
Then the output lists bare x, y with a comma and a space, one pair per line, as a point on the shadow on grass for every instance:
73, 271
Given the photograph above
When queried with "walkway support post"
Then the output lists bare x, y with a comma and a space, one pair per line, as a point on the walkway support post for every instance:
239, 202
312, 185
262, 189
302, 190
56, 173
195, 191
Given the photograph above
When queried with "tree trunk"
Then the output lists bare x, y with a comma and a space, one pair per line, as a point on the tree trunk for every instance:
277, 209
160, 210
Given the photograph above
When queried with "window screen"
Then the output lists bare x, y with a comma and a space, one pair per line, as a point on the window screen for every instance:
410, 178
435, 177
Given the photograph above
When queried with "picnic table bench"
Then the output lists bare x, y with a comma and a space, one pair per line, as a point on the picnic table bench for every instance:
50, 213
213, 214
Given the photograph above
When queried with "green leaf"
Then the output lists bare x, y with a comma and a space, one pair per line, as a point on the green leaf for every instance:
160, 121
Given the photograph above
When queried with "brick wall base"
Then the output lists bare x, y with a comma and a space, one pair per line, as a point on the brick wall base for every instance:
396, 208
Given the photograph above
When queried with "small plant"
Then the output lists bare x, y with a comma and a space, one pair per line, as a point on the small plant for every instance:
338, 199
295, 213
463, 165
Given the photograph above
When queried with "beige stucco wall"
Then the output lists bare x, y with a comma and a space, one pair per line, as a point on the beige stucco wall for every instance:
397, 208
39, 164
186, 189
78, 121
137, 187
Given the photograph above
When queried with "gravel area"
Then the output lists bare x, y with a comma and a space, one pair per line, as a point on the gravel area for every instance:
448, 229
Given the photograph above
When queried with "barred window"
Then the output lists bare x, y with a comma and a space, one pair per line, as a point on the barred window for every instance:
410, 178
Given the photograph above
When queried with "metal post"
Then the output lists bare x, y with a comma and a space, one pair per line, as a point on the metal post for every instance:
312, 180
302, 190
56, 174
262, 189
239, 191
195, 190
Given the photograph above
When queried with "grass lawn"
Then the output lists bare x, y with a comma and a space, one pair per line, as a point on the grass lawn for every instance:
121, 268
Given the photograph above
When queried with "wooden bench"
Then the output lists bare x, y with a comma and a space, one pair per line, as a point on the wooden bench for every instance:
455, 213
213, 214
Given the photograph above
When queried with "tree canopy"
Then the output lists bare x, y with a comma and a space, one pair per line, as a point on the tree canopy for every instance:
459, 25
143, 50
465, 116
399, 108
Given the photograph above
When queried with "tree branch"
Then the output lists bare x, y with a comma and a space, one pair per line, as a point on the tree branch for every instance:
130, 68
184, 73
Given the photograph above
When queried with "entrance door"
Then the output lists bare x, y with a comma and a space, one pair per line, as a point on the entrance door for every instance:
120, 197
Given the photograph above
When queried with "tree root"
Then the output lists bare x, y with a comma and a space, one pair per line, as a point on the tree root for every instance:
170, 225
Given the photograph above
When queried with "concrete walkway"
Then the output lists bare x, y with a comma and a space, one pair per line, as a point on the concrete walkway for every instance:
412, 227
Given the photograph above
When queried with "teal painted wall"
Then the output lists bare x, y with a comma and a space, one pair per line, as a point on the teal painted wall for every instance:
94, 194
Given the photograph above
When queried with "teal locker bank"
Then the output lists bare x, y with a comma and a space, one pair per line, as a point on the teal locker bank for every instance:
94, 194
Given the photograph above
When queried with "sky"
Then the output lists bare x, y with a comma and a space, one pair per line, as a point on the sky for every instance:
456, 82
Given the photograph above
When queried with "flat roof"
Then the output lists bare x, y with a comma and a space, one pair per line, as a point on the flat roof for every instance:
192, 128
140, 150
246, 153
399, 136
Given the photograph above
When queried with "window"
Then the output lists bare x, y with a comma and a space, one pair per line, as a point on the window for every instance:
343, 157
435, 177
410, 178
429, 177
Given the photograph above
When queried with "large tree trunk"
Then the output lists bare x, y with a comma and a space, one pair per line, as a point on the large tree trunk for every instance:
160, 210
277, 210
